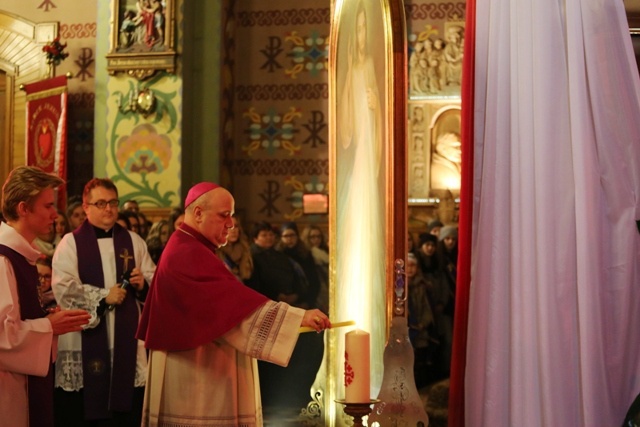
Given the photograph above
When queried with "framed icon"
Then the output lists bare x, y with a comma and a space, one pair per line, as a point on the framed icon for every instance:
142, 37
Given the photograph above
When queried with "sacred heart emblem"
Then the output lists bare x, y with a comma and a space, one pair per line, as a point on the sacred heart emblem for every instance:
45, 141
348, 370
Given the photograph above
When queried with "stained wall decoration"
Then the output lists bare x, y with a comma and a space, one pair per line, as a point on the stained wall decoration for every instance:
143, 153
279, 109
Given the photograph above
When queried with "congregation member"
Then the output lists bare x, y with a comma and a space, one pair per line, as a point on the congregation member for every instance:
440, 300
176, 218
447, 252
28, 332
236, 254
313, 237
293, 247
434, 227
45, 293
277, 276
75, 214
61, 224
274, 275
134, 221
143, 225
123, 220
421, 323
204, 328
411, 243
101, 372
131, 205
157, 239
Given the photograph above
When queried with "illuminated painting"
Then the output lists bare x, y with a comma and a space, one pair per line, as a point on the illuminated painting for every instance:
361, 130
365, 146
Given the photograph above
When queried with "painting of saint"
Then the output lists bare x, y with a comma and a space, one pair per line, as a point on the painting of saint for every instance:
142, 26
360, 173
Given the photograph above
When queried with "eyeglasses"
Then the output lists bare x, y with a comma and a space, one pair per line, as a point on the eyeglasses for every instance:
102, 204
286, 236
43, 277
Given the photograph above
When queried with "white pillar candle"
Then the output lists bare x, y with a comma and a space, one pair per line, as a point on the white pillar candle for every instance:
356, 367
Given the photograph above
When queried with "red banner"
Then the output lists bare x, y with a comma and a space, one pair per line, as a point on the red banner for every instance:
46, 142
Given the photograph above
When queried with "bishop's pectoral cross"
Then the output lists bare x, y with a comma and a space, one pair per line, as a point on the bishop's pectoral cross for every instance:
124, 254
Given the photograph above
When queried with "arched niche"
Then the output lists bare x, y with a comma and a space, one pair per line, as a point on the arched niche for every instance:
21, 61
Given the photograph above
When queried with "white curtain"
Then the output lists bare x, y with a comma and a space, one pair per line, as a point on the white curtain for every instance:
554, 318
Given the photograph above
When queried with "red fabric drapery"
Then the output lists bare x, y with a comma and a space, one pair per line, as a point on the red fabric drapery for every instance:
459, 352
46, 136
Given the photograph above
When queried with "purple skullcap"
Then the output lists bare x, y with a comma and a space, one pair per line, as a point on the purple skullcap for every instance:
198, 190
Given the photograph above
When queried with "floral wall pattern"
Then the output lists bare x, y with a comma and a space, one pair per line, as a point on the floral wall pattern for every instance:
143, 153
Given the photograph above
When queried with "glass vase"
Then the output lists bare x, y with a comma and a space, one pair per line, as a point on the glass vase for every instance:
400, 404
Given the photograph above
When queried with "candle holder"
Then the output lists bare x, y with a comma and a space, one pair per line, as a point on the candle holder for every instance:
357, 410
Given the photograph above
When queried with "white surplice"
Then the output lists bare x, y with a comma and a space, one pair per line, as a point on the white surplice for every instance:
27, 347
71, 293
217, 384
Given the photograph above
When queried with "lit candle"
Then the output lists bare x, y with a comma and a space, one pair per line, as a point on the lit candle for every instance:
356, 367
333, 325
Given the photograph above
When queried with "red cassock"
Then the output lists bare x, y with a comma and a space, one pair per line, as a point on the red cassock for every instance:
193, 298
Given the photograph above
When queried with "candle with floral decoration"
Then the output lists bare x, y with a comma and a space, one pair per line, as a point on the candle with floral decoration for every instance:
357, 367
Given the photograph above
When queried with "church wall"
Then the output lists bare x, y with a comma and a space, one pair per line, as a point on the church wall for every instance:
279, 108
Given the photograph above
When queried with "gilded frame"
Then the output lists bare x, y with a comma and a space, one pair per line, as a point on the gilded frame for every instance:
386, 47
142, 37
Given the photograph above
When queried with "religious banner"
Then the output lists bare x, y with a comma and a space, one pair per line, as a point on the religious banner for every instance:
46, 136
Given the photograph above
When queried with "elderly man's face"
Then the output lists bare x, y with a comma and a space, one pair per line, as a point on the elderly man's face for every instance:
215, 218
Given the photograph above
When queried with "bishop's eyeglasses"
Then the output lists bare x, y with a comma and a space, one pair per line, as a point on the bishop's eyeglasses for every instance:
102, 204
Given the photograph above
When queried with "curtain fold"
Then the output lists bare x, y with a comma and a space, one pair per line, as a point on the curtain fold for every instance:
458, 358
554, 312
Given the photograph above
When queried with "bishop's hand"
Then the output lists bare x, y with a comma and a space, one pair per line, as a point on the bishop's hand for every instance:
316, 319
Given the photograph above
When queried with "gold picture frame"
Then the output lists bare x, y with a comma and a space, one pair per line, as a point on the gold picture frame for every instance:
142, 37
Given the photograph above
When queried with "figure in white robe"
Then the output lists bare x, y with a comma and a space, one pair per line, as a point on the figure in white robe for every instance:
27, 347
360, 224
70, 292
28, 329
